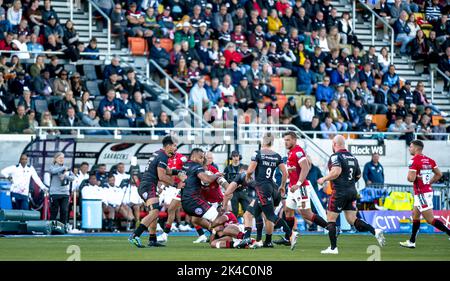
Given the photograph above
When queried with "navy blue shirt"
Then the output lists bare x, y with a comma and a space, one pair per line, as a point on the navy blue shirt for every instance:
373, 173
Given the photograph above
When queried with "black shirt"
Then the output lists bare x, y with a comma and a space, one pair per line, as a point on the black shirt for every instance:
193, 184
350, 171
231, 172
157, 160
267, 162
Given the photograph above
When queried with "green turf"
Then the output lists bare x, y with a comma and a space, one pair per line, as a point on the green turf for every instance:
351, 247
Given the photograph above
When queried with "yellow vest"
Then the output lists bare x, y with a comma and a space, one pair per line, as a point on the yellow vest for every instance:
399, 201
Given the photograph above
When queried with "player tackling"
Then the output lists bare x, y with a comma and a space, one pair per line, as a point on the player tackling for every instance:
344, 173
423, 172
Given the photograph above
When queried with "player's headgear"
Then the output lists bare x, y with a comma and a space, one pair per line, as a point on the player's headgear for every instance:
168, 140
418, 143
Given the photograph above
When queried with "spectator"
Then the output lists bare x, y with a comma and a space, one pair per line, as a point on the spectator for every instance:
333, 38
440, 129
393, 95
60, 177
164, 122
110, 103
42, 85
397, 127
323, 39
47, 11
219, 71
37, 67
371, 58
274, 23
367, 75
136, 19
165, 21
306, 113
368, 127
159, 54
373, 171
402, 30
5, 43
15, 13
139, 107
26, 101
198, 99
433, 12
77, 85
92, 120
339, 76
226, 88
424, 128
413, 112
48, 121
108, 121
391, 77
305, 79
410, 129
20, 176
384, 60
223, 16
18, 123
113, 83
114, 67
328, 129
185, 35
61, 85
358, 112
34, 46
244, 95
149, 121
213, 91
345, 29
444, 66
70, 119
55, 29
54, 67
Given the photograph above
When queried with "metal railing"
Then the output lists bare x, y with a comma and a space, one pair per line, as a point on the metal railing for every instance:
349, 134
116, 53
385, 23
433, 81
92, 4
168, 79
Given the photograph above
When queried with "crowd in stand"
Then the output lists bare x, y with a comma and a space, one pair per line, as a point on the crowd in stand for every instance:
224, 54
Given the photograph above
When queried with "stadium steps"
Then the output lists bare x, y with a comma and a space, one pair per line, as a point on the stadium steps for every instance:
406, 68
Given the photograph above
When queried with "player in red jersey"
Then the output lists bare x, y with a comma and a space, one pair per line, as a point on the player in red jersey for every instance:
171, 195
423, 172
298, 194
228, 234
211, 193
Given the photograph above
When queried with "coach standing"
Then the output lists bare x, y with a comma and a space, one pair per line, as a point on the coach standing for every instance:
20, 176
373, 171
60, 178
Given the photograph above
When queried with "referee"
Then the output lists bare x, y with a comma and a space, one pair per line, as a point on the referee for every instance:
20, 176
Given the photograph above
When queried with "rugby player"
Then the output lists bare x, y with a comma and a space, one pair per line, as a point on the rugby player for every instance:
344, 173
192, 201
239, 182
423, 172
156, 171
298, 193
172, 195
263, 164
228, 234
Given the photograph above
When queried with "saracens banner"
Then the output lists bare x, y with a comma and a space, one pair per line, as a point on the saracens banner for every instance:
400, 221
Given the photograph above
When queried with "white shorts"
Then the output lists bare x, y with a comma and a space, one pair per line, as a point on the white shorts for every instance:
168, 194
211, 214
423, 201
295, 201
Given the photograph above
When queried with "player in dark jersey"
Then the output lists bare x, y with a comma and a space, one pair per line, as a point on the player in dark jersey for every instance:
263, 164
423, 172
155, 172
192, 201
240, 182
344, 173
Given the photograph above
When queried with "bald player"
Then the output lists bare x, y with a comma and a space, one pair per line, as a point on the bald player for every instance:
344, 173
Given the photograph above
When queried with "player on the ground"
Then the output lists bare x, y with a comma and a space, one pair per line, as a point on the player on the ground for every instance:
263, 164
423, 172
156, 171
344, 173
192, 201
298, 193
240, 182
228, 234
172, 195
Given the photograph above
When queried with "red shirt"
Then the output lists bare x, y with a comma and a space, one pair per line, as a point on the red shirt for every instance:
213, 193
231, 219
176, 162
294, 156
423, 166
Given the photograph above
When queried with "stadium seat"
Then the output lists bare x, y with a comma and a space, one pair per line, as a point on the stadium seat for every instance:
41, 105
4, 122
167, 44
71, 68
89, 72
289, 85
276, 82
92, 87
381, 121
282, 100
435, 120
123, 122
155, 107
138, 46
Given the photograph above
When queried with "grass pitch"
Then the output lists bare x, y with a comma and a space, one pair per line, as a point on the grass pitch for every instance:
351, 247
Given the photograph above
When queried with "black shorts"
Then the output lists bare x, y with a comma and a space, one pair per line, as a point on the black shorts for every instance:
147, 191
195, 207
342, 201
264, 194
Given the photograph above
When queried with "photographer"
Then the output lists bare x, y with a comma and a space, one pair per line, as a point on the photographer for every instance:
60, 178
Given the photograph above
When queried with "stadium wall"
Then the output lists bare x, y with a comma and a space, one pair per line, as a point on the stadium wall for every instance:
394, 154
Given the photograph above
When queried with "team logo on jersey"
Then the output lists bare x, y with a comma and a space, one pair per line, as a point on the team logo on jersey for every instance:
145, 195
410, 163
299, 154
198, 211
183, 159
334, 159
